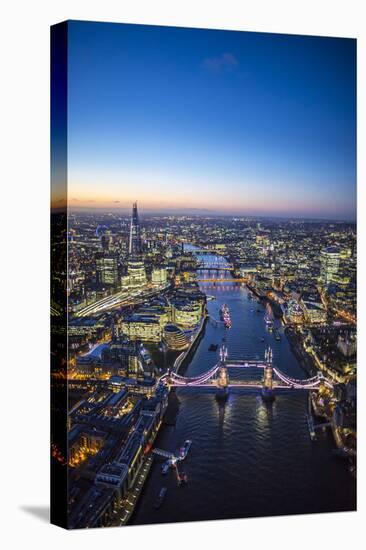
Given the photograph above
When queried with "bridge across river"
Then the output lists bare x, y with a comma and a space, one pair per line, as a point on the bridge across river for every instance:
222, 280
214, 266
218, 376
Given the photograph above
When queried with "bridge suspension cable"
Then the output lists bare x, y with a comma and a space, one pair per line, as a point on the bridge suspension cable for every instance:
307, 383
175, 375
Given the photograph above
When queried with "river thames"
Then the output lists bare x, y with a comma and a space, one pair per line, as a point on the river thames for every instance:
247, 458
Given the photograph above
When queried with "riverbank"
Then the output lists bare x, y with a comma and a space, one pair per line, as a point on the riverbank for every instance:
188, 354
304, 359
135, 492
172, 411
182, 362
276, 308
169, 419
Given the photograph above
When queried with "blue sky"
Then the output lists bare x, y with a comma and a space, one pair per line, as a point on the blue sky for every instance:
234, 122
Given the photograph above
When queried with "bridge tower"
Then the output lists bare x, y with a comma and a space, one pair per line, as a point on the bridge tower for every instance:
222, 383
223, 376
267, 387
223, 354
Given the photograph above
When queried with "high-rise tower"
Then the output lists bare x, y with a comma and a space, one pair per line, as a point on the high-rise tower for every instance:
329, 264
135, 248
136, 273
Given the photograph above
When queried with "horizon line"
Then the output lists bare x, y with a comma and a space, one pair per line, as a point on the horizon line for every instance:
198, 212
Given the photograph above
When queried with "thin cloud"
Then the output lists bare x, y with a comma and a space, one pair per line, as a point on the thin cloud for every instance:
225, 62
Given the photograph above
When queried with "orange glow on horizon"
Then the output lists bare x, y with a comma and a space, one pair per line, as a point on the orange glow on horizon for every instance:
228, 206
176, 194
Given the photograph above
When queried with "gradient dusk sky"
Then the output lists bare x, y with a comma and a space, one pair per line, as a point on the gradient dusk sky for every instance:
232, 122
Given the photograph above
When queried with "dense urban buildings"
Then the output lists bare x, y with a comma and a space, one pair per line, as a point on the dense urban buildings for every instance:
138, 303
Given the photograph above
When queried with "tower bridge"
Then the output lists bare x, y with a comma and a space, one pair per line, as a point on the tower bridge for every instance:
272, 377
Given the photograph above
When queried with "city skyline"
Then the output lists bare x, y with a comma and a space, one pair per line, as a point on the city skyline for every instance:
233, 123
204, 275
123, 211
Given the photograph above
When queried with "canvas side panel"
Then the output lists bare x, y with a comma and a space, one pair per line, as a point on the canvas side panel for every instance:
59, 274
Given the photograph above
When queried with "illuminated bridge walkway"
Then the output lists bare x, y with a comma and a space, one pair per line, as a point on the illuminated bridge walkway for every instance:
218, 376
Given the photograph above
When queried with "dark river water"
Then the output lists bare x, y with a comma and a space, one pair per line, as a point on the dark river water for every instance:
247, 458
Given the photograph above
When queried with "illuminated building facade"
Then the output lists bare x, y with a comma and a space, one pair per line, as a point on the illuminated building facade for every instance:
329, 260
135, 246
175, 338
159, 276
106, 269
141, 327
186, 314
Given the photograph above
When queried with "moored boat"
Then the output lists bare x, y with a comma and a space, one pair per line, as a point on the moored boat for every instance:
225, 315
183, 451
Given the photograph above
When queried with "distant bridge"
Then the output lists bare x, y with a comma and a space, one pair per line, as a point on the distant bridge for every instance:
206, 252
222, 280
214, 266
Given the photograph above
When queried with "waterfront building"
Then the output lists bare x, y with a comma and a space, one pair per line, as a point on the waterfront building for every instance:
113, 476
294, 313
174, 337
186, 313
144, 386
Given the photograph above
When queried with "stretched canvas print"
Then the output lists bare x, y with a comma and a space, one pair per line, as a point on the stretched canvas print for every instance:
203, 247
